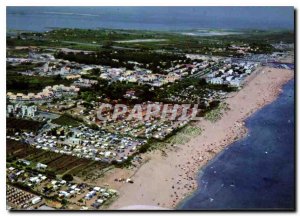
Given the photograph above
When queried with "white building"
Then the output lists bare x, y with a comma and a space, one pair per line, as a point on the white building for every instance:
235, 82
10, 109
41, 166
217, 80
36, 200
24, 111
29, 111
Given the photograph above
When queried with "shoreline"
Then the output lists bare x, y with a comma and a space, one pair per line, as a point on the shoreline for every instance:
166, 181
201, 171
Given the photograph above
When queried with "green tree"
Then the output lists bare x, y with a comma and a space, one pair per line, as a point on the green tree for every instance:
67, 177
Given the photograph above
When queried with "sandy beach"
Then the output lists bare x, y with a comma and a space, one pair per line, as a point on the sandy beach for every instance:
165, 180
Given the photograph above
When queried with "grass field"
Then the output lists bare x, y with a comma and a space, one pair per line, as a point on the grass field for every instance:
183, 136
216, 114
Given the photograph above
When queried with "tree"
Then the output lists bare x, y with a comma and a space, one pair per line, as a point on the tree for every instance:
107, 44
57, 77
64, 202
67, 177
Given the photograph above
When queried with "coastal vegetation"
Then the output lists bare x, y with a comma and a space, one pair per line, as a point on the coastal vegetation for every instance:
183, 136
66, 119
101, 39
216, 114
151, 60
192, 87
115, 91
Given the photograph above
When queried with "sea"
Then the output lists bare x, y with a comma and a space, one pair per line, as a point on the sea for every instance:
150, 18
258, 171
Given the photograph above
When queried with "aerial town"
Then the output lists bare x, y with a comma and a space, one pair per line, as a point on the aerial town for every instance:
55, 141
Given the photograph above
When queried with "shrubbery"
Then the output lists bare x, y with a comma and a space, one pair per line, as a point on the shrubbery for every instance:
67, 177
